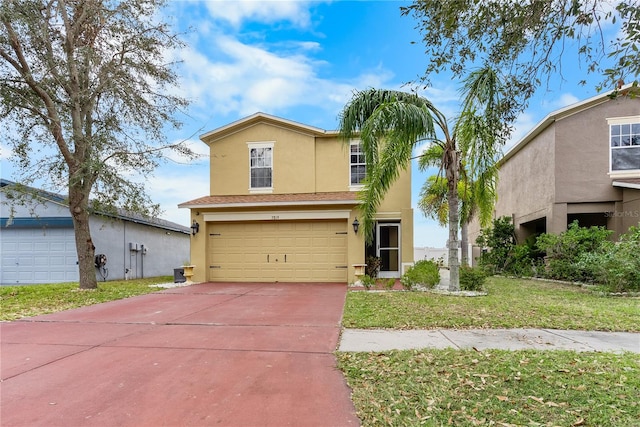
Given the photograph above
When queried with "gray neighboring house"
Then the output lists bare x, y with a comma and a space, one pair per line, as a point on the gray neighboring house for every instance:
581, 162
37, 243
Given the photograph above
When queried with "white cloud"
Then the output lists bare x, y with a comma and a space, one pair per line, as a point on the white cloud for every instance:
180, 183
249, 78
5, 151
563, 100
238, 11
521, 127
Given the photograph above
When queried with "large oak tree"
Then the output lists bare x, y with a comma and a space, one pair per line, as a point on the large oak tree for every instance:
85, 97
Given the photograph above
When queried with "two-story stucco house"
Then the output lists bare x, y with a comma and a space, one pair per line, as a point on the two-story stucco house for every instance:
581, 162
283, 206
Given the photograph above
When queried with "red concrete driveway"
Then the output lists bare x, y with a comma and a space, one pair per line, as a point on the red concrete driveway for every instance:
209, 354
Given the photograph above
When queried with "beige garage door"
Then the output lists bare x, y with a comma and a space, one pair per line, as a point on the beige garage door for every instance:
285, 251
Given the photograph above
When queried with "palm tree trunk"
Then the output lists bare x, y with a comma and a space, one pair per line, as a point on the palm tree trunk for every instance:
452, 171
464, 244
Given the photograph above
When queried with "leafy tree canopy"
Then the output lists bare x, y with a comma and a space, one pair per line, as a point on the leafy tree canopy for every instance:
527, 39
86, 91
84, 94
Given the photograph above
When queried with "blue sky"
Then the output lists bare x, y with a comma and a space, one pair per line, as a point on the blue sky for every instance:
302, 61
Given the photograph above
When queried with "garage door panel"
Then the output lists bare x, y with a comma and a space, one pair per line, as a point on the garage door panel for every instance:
41, 260
255, 251
37, 256
25, 247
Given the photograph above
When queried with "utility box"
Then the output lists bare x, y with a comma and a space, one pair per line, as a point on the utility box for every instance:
178, 275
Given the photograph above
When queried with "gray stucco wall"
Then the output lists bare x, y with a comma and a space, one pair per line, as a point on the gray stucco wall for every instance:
526, 188
158, 252
582, 153
630, 213
526, 182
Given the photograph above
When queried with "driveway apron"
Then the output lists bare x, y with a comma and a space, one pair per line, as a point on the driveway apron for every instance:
224, 354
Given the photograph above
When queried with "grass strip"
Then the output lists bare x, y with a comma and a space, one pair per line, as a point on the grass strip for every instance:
503, 388
510, 303
33, 300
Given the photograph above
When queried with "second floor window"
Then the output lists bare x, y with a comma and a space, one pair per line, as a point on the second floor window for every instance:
625, 147
357, 164
261, 165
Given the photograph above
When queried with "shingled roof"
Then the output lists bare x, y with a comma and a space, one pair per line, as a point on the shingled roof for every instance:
328, 198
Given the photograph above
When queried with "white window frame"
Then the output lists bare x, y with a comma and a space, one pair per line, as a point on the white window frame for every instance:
260, 145
632, 120
358, 186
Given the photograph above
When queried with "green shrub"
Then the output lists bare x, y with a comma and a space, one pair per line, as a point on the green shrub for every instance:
388, 284
367, 281
564, 251
472, 279
423, 273
500, 240
617, 266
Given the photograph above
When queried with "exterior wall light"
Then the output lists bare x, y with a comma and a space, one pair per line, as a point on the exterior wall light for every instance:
356, 225
195, 227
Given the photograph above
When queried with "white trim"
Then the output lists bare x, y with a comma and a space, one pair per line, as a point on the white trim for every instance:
276, 215
355, 187
624, 174
617, 121
257, 145
399, 271
623, 120
267, 204
626, 185
261, 144
309, 129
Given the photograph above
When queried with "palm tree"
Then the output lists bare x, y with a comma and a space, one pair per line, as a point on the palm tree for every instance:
390, 123
433, 202
475, 199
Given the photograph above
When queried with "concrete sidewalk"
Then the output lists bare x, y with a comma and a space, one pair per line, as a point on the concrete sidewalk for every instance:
354, 340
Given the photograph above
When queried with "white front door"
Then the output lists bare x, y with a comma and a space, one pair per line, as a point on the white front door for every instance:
388, 249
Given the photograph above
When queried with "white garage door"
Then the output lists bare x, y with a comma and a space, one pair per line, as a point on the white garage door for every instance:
38, 256
286, 251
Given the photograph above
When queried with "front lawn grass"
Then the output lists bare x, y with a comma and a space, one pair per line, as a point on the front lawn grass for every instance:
495, 387
33, 300
501, 388
510, 303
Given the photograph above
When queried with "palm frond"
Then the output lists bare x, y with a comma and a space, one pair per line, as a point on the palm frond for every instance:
430, 157
388, 123
433, 199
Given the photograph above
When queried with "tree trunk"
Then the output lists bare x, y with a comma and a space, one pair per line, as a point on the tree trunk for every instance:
78, 206
452, 171
464, 244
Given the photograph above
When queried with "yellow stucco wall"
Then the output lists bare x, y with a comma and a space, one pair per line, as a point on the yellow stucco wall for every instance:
293, 161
